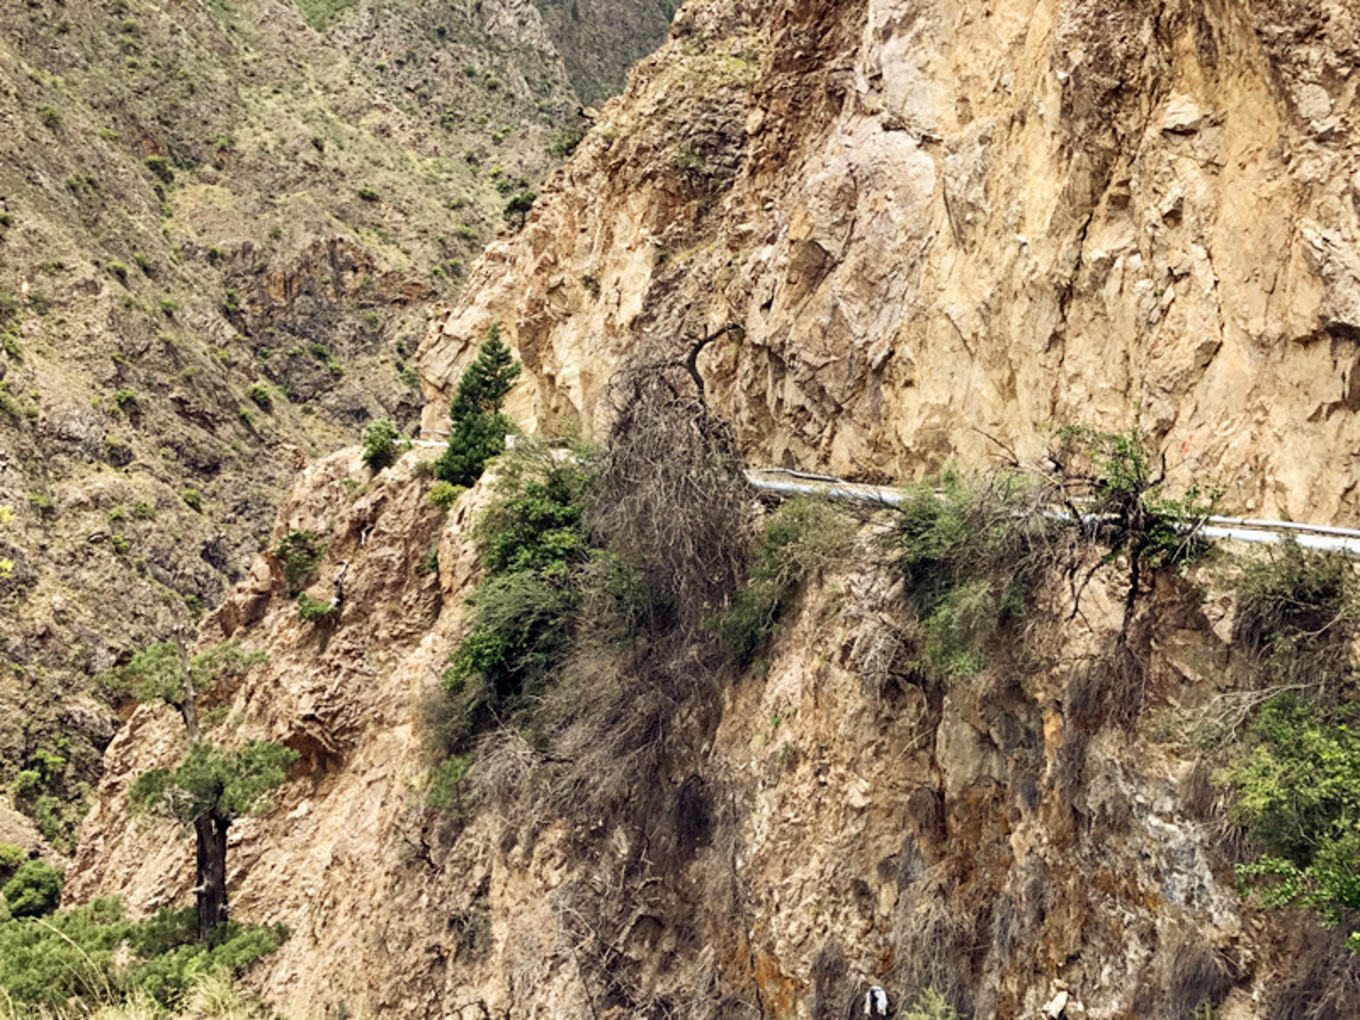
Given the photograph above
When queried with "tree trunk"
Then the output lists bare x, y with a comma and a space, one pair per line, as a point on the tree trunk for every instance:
210, 834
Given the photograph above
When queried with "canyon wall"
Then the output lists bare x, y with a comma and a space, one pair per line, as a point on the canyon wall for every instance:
944, 227
941, 229
829, 818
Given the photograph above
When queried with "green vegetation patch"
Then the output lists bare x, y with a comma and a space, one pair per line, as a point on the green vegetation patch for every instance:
72, 961
800, 538
299, 553
970, 551
1299, 794
322, 14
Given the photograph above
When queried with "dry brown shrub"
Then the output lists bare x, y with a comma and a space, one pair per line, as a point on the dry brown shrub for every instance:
674, 499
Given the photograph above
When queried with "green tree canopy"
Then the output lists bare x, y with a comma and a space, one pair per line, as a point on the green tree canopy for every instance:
212, 781
34, 889
478, 428
1299, 794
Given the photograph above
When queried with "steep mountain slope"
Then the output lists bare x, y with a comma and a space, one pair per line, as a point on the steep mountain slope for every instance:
937, 227
937, 224
222, 232
830, 818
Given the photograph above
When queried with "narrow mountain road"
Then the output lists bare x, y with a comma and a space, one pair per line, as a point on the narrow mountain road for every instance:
788, 484
1322, 537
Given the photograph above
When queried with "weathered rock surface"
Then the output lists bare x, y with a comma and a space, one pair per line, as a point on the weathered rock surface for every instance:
937, 226
942, 224
842, 822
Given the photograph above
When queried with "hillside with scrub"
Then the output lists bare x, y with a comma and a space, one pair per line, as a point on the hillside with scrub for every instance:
864, 555
223, 227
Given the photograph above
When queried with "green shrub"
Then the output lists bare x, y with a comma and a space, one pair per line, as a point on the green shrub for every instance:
11, 857
192, 498
537, 525
26, 784
478, 428
231, 304
444, 494
379, 442
312, 610
50, 117
160, 166
118, 269
126, 400
299, 553
369, 194
564, 143
970, 554
533, 547
259, 394
521, 623
34, 890
799, 539
1298, 792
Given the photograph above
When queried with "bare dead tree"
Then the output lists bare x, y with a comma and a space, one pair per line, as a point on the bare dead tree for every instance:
674, 498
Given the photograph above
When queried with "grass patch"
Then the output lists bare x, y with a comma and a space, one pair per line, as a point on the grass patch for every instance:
800, 538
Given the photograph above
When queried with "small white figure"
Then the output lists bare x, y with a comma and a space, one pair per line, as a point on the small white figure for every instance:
876, 1002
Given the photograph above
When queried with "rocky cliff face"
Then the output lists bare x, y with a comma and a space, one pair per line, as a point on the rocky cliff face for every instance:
937, 224
937, 227
830, 819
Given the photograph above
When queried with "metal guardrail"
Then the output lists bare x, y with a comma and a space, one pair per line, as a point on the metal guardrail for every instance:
1258, 531
1321, 537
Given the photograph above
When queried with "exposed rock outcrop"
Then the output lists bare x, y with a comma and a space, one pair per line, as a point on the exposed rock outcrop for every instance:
941, 223
842, 820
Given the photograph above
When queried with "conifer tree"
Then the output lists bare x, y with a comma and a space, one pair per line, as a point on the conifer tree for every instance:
478, 428
212, 786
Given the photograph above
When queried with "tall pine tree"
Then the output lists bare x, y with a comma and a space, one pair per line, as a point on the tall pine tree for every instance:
478, 427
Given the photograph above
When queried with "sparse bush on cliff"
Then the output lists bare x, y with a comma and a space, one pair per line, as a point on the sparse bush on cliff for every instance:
379, 440
971, 553
444, 494
800, 538
564, 143
673, 498
478, 428
312, 610
1297, 615
299, 553
1123, 480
